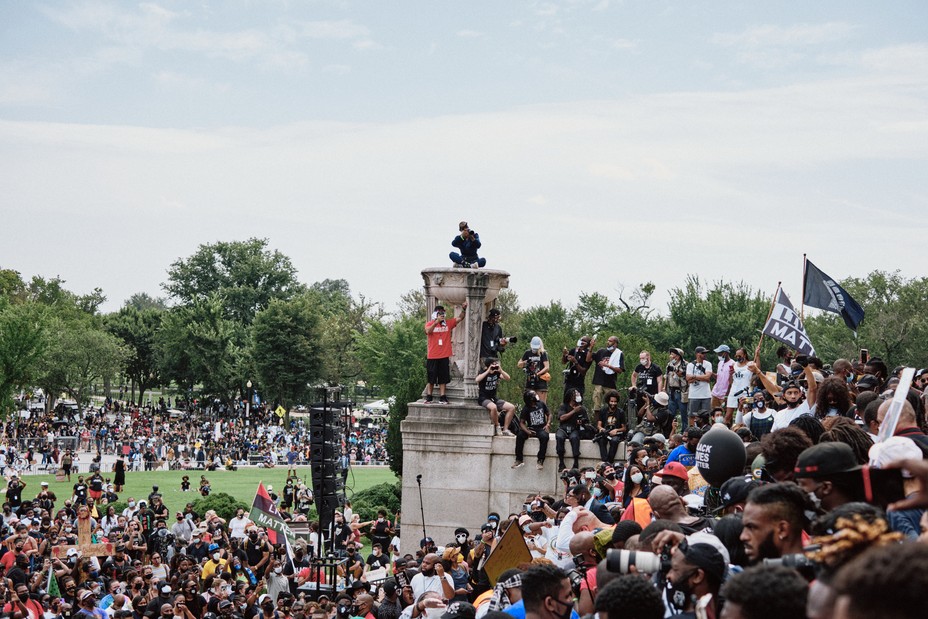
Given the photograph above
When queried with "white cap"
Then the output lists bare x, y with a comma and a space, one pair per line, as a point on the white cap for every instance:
536, 343
893, 449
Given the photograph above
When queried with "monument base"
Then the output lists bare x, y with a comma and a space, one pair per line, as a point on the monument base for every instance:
466, 471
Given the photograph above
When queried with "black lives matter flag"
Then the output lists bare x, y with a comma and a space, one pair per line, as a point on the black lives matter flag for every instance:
785, 325
821, 291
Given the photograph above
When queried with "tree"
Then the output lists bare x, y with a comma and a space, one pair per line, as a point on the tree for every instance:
894, 328
79, 355
393, 355
726, 313
286, 347
244, 274
138, 328
144, 301
23, 342
198, 344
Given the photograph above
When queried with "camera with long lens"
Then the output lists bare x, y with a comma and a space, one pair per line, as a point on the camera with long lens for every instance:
796, 561
577, 574
620, 561
508, 340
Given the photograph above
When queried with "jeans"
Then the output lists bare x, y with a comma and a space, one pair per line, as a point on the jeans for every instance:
542, 437
459, 259
563, 434
608, 447
676, 407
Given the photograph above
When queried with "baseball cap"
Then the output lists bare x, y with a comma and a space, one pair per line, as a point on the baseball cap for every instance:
425, 542
524, 519
213, 547
674, 469
868, 381
535, 344
460, 610
702, 349
736, 490
486, 527
705, 557
224, 604
660, 438
826, 459
389, 586
44, 483
494, 312
722, 348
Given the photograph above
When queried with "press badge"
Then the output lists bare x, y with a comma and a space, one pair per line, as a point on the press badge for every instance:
439, 342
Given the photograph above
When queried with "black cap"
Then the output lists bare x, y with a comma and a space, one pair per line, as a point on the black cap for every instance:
460, 610
707, 558
425, 542
494, 312
461, 530
736, 490
826, 459
701, 349
389, 586
868, 381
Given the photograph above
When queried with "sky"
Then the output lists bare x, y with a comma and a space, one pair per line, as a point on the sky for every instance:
593, 144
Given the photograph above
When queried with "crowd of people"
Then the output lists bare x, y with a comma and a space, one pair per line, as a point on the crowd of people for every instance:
193, 436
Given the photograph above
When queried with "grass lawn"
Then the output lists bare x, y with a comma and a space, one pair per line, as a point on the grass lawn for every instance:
241, 484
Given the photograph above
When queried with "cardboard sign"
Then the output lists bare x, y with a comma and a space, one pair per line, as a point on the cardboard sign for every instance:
511, 551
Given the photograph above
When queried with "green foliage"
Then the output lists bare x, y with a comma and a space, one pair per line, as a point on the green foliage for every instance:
393, 355
894, 328
197, 344
223, 504
23, 342
244, 274
138, 329
286, 347
382, 496
119, 506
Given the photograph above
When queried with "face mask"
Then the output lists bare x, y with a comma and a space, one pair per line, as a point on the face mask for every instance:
566, 609
636, 478
278, 570
679, 592
813, 498
461, 539
760, 404
380, 520
643, 361
644, 461
610, 348
597, 492
719, 419
131, 503
739, 359
527, 528
578, 399
216, 556
832, 411
610, 476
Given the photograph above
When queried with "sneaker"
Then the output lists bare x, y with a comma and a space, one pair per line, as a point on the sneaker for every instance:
540, 466
518, 464
507, 432
443, 400
428, 400
457, 265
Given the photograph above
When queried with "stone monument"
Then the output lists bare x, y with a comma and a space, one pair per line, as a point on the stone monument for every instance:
465, 469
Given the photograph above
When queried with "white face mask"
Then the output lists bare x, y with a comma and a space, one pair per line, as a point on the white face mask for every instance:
643, 361
216, 556
461, 539
278, 570
597, 492
636, 478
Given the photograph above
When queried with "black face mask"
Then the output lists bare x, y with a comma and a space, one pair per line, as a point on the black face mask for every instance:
679, 592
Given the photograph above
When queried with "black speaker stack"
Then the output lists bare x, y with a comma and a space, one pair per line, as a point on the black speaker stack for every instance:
329, 423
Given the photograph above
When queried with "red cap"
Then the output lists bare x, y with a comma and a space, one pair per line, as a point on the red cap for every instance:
674, 469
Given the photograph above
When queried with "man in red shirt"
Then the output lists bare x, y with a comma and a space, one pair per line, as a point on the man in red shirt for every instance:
438, 362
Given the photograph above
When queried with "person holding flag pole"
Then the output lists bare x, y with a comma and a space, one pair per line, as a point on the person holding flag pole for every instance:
264, 514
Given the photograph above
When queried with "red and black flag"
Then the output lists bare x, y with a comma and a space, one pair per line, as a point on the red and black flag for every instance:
264, 514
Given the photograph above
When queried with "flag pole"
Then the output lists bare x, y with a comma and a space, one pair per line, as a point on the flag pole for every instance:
773, 303
802, 301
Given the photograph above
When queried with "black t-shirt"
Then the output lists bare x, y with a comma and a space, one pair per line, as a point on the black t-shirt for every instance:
611, 420
663, 420
14, 492
600, 377
377, 562
576, 372
647, 377
255, 551
580, 418
490, 336
535, 417
487, 387
80, 492
534, 361
340, 532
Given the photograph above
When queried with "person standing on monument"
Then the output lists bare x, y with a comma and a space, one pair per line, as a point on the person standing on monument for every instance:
468, 242
492, 341
578, 361
608, 362
438, 362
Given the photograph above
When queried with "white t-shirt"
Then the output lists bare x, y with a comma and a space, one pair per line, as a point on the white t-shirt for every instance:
699, 390
237, 527
740, 381
782, 418
420, 584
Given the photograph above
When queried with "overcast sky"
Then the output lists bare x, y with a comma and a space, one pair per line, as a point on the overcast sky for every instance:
592, 144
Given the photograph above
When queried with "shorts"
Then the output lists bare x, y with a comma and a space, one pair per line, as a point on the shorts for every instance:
698, 405
438, 371
499, 403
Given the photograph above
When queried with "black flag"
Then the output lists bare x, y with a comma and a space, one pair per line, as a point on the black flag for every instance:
823, 292
784, 325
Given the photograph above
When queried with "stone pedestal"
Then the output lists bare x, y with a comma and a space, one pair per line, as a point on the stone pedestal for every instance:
466, 471
451, 287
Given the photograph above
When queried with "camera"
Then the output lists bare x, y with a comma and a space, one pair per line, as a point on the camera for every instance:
577, 574
797, 561
620, 561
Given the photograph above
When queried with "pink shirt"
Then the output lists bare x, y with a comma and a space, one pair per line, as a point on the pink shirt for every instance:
723, 379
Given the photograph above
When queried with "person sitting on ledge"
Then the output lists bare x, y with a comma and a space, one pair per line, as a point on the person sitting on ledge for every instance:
468, 242
487, 385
